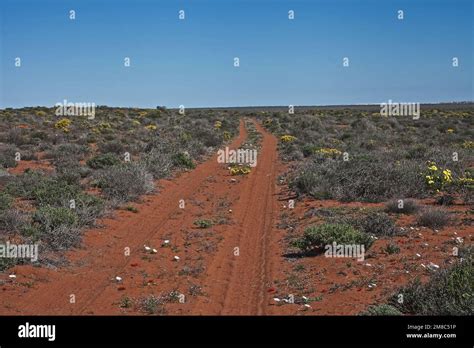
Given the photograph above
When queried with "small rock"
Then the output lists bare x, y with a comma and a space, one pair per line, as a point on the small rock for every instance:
117, 278
176, 258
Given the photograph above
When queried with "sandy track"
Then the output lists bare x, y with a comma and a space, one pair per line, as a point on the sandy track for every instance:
232, 284
237, 284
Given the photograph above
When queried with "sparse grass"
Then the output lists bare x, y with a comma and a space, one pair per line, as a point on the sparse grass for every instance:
131, 208
203, 223
392, 248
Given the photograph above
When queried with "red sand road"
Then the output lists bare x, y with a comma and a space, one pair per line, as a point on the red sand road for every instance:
230, 283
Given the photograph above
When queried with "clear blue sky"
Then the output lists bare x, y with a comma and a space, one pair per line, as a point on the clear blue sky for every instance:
190, 62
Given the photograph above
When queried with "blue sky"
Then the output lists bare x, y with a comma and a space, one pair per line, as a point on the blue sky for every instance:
190, 62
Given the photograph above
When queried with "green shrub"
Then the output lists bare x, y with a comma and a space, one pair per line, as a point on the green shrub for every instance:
54, 192
392, 248
88, 208
183, 161
449, 292
382, 309
318, 236
49, 218
378, 224
203, 223
57, 227
103, 161
5, 201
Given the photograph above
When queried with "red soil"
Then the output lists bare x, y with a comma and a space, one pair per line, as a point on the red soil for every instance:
213, 276
230, 284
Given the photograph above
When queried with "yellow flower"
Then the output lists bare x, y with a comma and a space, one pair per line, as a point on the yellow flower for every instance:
63, 124
151, 127
447, 175
329, 151
287, 138
433, 167
227, 135
450, 130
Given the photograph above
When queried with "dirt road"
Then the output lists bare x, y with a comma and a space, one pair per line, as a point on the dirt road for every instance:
225, 269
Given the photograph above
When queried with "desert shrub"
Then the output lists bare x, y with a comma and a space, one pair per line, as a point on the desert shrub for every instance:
158, 163
445, 200
401, 206
54, 192
5, 201
433, 218
363, 178
382, 309
69, 151
183, 160
318, 236
392, 248
70, 172
379, 224
12, 220
7, 156
44, 190
57, 227
8, 262
88, 208
203, 223
16, 136
50, 218
114, 146
207, 136
125, 182
23, 185
449, 292
307, 182
103, 160
62, 237
151, 304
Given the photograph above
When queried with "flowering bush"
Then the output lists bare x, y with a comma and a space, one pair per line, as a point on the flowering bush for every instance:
227, 135
287, 138
63, 124
217, 124
437, 178
151, 127
328, 152
239, 170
